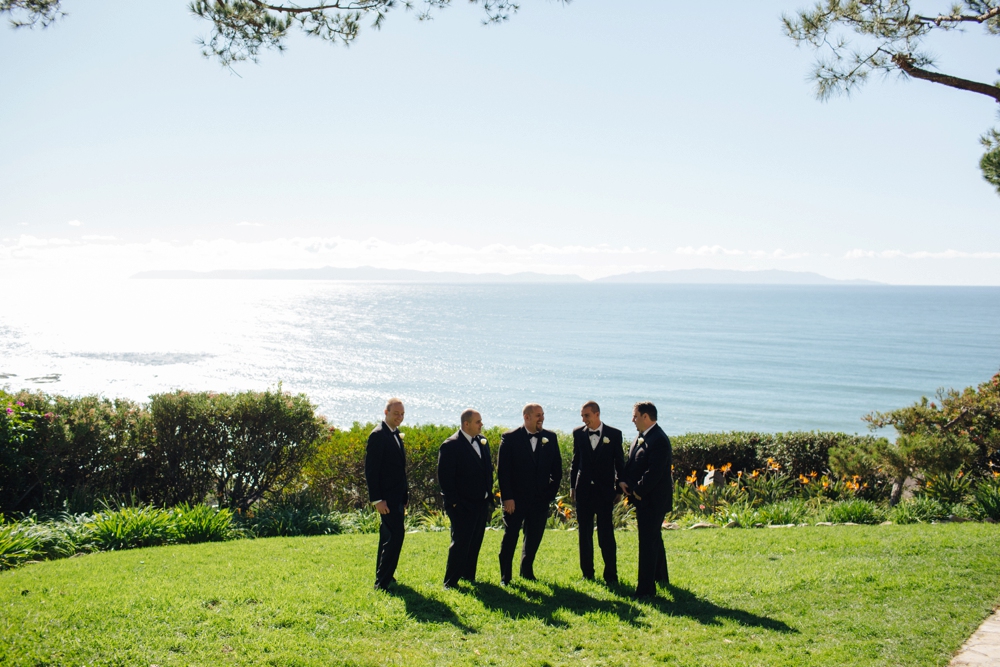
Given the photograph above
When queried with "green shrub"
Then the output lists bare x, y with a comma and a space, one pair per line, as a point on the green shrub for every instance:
767, 488
987, 495
948, 488
366, 520
854, 511
132, 527
783, 513
18, 543
918, 510
201, 523
293, 515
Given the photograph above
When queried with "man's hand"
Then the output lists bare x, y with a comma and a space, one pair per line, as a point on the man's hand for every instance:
382, 507
508, 507
572, 495
624, 487
637, 496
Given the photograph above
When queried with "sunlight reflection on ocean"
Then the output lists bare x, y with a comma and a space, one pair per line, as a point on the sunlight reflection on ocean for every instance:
720, 357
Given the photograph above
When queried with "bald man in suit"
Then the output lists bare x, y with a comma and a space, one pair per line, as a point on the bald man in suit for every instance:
388, 490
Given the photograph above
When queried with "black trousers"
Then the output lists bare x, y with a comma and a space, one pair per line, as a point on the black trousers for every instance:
533, 519
587, 509
468, 524
652, 555
390, 543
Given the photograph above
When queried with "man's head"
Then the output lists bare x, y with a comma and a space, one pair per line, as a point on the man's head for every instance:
643, 415
472, 422
533, 417
394, 413
590, 413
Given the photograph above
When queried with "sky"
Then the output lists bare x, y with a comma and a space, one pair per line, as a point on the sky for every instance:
592, 138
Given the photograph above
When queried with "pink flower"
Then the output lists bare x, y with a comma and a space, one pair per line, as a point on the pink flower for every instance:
20, 404
10, 411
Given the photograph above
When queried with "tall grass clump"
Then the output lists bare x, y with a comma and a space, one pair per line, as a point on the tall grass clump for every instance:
854, 511
201, 523
132, 527
18, 543
918, 510
987, 496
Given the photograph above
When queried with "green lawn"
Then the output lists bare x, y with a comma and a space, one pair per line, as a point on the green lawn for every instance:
864, 595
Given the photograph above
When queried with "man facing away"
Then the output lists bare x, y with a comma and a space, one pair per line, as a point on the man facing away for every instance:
465, 473
597, 466
529, 469
385, 472
647, 481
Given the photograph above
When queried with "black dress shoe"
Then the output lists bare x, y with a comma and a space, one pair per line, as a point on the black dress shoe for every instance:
611, 583
588, 577
642, 595
529, 577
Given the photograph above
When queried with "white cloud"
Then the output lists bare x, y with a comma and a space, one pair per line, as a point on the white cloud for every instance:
718, 250
74, 223
97, 237
858, 253
249, 224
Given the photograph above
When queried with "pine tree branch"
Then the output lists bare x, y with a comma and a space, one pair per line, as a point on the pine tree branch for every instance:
960, 18
905, 62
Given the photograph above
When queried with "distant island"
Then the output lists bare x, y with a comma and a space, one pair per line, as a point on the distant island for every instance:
370, 273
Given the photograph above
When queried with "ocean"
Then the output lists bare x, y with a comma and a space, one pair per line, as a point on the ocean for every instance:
711, 357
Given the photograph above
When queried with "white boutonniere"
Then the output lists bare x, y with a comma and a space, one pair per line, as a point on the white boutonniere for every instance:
402, 436
606, 440
484, 441
639, 441
545, 441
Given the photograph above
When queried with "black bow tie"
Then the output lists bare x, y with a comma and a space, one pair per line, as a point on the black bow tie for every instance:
597, 432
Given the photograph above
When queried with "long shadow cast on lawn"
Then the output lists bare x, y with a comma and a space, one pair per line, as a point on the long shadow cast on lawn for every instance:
427, 610
686, 603
543, 605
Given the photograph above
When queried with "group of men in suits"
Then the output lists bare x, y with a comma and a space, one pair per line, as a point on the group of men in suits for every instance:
529, 472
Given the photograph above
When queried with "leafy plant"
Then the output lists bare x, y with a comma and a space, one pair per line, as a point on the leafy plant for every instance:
18, 543
948, 487
132, 527
201, 523
782, 513
987, 495
854, 511
918, 510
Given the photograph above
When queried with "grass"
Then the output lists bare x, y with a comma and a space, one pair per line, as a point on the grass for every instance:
872, 595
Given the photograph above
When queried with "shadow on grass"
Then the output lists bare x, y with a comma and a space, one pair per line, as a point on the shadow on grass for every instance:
524, 602
427, 610
685, 603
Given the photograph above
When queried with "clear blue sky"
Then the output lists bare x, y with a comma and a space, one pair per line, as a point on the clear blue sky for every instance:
593, 138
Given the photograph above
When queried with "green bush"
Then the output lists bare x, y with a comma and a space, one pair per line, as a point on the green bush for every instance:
132, 527
293, 515
918, 510
18, 543
201, 523
854, 511
948, 488
783, 513
987, 495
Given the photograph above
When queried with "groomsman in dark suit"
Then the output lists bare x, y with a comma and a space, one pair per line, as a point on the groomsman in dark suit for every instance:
385, 472
647, 481
529, 469
465, 473
597, 465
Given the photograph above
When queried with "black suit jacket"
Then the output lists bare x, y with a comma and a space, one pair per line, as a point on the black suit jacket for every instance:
522, 479
647, 470
385, 467
464, 476
595, 472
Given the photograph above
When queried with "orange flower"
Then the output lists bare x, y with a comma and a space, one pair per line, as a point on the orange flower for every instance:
709, 468
726, 468
803, 479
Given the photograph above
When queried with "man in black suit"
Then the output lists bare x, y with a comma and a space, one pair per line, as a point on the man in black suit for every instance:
597, 465
648, 482
385, 472
529, 469
465, 473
